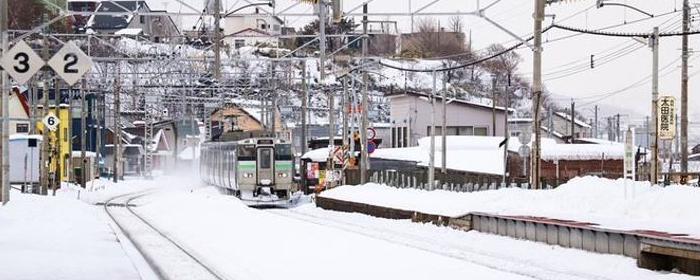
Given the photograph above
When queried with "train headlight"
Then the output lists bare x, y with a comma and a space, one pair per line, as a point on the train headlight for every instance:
248, 175
283, 174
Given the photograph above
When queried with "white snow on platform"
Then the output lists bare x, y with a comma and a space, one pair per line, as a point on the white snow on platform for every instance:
47, 237
542, 261
589, 199
247, 243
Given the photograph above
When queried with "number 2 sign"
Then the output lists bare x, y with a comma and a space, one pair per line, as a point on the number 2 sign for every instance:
21, 62
70, 63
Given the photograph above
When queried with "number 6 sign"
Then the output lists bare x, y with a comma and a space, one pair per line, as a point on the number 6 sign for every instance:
21, 62
70, 63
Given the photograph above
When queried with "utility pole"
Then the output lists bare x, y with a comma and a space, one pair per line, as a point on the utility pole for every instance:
345, 124
654, 97
365, 107
97, 108
506, 133
4, 79
493, 105
304, 98
83, 136
116, 153
44, 190
217, 40
331, 135
444, 125
431, 162
595, 123
322, 38
684, 88
537, 93
573, 122
618, 136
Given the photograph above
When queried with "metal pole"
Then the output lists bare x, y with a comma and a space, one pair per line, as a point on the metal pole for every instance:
654, 98
331, 135
444, 125
97, 107
431, 163
493, 105
117, 127
684, 89
617, 128
506, 134
595, 123
83, 136
537, 92
346, 101
217, 40
365, 80
44, 190
304, 97
322, 38
573, 122
4, 80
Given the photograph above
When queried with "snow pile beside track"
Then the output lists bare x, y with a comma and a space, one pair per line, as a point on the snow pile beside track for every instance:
587, 199
59, 237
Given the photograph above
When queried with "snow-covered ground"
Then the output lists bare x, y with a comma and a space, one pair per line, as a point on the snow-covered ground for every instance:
602, 201
47, 237
310, 243
67, 237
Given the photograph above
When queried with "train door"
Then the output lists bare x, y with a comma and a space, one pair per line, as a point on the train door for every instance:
266, 169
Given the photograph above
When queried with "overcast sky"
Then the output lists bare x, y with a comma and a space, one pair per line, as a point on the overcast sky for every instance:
620, 62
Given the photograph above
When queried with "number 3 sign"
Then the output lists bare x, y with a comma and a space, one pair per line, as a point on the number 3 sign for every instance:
70, 63
21, 62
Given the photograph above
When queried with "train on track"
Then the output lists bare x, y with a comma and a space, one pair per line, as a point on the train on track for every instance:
255, 167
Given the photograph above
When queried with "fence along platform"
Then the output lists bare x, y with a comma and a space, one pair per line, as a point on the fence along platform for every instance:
652, 249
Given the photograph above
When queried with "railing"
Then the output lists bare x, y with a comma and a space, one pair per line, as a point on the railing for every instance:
418, 179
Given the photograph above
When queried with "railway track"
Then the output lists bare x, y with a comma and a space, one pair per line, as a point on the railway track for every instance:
483, 258
167, 258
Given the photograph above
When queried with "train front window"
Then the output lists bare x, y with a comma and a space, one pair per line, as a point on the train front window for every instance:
265, 158
246, 152
283, 152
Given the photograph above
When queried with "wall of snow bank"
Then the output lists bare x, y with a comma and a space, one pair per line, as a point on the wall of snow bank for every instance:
587, 199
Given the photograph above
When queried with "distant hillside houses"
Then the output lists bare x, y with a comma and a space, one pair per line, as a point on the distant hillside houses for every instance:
156, 26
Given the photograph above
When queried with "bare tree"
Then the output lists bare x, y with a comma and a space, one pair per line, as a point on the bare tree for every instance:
431, 41
456, 23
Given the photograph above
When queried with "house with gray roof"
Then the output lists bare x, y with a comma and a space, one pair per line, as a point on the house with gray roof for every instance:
156, 26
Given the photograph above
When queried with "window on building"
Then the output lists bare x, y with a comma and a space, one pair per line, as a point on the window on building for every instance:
263, 26
238, 43
22, 127
454, 130
481, 131
142, 19
276, 27
399, 137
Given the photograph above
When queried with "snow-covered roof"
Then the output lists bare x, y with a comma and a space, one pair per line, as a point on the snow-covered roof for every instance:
129, 31
438, 98
519, 120
568, 118
477, 154
317, 155
551, 150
